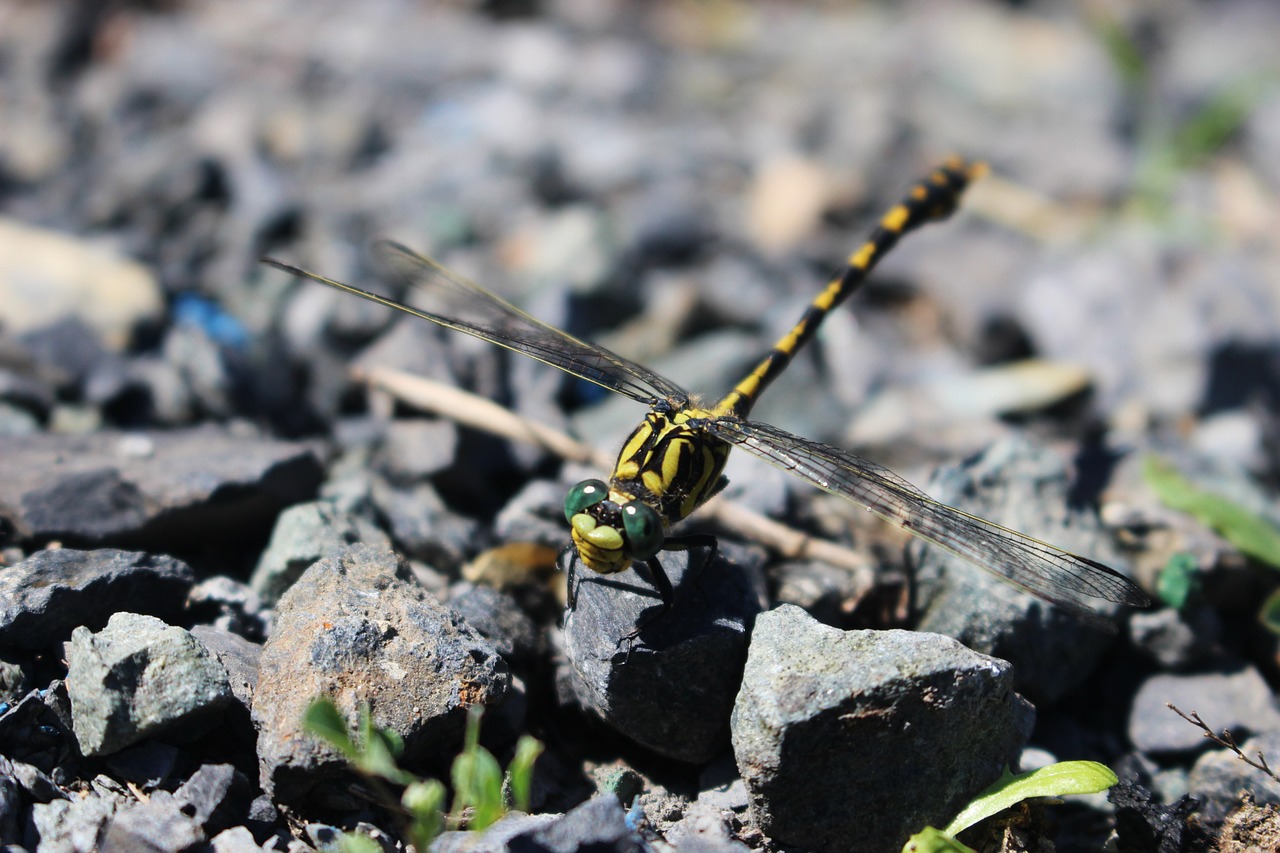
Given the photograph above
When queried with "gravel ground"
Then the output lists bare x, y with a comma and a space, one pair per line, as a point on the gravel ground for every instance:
222, 493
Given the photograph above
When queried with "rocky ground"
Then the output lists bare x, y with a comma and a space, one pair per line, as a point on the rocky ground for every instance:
223, 492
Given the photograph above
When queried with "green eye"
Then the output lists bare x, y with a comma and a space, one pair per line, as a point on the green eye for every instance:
586, 494
644, 530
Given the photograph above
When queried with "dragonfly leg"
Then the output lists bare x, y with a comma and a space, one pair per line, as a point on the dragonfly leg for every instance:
571, 575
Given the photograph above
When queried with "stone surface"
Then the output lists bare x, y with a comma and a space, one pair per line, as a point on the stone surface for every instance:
854, 740
1239, 701
665, 680
137, 678
1024, 486
303, 534
598, 825
182, 487
1219, 777
238, 656
47, 595
355, 629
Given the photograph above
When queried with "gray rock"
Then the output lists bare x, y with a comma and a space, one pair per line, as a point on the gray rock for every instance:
153, 826
71, 826
15, 679
423, 526
414, 449
354, 628
1023, 486
1218, 778
824, 591
139, 677
191, 486
238, 656
214, 796
598, 825
1240, 701
51, 592
671, 686
1174, 638
498, 617
304, 534
854, 740
227, 604
238, 839
535, 514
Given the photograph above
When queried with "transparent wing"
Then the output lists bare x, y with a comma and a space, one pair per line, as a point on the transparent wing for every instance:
456, 303
1046, 572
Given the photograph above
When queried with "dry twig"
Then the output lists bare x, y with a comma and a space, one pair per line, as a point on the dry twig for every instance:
1225, 739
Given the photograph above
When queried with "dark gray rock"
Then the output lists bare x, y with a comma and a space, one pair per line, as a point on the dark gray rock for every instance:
671, 686
150, 764
1240, 701
598, 825
304, 534
226, 604
535, 514
12, 809
1025, 487
238, 656
854, 740
423, 526
1218, 778
37, 728
355, 629
73, 349
190, 486
139, 677
498, 617
826, 592
1176, 639
214, 796
50, 593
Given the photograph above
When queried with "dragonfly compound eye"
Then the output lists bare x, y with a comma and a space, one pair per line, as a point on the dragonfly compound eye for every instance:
644, 530
583, 496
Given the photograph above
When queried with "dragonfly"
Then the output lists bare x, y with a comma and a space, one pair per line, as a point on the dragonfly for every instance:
674, 460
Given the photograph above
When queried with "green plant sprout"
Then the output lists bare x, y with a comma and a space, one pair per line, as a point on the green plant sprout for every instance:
1056, 780
1249, 533
1168, 146
480, 789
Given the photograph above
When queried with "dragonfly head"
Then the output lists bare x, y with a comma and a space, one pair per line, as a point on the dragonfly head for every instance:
610, 529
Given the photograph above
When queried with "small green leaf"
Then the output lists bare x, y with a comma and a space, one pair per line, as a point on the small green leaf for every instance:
323, 720
1269, 615
424, 801
1056, 780
1178, 580
352, 842
1252, 535
477, 778
377, 750
931, 840
520, 770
